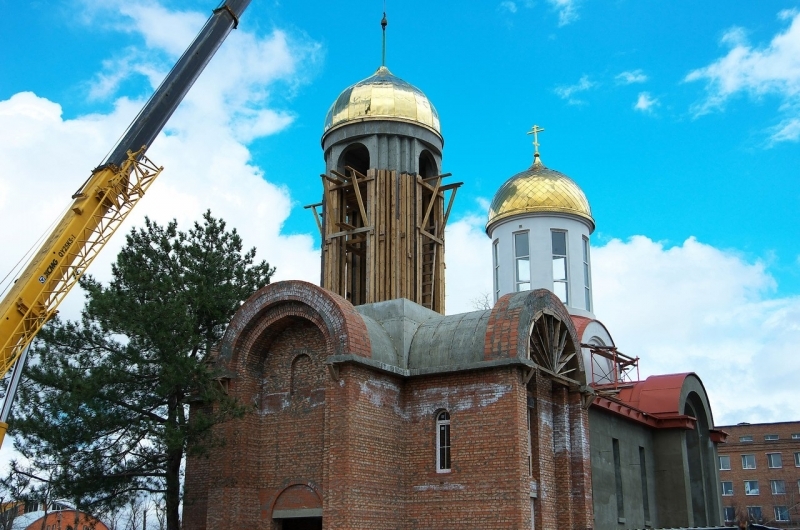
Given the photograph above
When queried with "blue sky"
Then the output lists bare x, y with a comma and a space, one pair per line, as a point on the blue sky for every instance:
681, 122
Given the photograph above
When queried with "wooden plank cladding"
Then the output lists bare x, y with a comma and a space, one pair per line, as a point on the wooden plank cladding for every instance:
383, 236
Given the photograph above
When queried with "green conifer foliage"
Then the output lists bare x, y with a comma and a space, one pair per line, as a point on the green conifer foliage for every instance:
103, 408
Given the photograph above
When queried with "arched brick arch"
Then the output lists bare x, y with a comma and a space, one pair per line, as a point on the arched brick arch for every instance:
512, 319
274, 307
294, 494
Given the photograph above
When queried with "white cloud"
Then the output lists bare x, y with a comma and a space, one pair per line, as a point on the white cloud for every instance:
509, 6
567, 11
568, 91
645, 102
631, 76
773, 69
682, 308
468, 275
787, 130
697, 308
207, 162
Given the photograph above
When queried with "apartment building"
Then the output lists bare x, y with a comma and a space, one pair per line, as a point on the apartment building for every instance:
759, 472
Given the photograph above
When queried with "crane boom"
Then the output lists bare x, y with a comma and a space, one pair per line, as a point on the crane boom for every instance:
103, 202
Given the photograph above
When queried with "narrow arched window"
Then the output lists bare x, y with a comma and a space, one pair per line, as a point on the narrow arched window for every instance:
443, 442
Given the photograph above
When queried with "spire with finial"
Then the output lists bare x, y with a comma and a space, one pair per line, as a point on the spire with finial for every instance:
535, 130
384, 22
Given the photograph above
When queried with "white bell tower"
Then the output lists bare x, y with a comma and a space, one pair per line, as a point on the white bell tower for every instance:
540, 223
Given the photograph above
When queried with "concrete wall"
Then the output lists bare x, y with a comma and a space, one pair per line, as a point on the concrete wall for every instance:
539, 227
391, 145
603, 427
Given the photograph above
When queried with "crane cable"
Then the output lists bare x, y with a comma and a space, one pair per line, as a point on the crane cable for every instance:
26, 256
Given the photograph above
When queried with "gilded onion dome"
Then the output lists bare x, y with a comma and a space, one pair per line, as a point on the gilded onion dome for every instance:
539, 190
382, 96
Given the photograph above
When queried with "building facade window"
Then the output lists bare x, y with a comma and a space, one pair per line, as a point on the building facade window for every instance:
778, 487
530, 444
754, 513
771, 437
727, 487
618, 478
748, 461
560, 265
496, 257
522, 259
781, 513
774, 460
587, 279
645, 493
443, 442
724, 463
796, 436
797, 459
729, 512
746, 438
751, 487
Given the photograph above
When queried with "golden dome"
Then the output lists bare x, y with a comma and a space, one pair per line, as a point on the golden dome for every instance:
539, 190
382, 96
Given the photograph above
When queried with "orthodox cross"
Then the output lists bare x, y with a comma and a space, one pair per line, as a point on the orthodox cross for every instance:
535, 130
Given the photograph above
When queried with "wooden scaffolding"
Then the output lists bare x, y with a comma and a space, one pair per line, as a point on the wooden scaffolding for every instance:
383, 235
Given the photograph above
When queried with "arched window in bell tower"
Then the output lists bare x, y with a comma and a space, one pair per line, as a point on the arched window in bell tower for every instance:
357, 157
427, 165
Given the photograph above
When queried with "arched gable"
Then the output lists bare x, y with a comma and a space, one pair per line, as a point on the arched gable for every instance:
275, 306
513, 319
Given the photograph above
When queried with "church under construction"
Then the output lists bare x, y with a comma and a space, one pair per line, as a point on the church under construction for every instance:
374, 409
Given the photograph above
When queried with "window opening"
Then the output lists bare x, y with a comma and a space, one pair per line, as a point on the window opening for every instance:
357, 157
724, 462
587, 280
727, 488
797, 459
618, 478
730, 514
560, 283
533, 515
781, 513
443, 442
495, 255
771, 437
754, 513
751, 487
427, 165
796, 436
746, 438
645, 496
522, 257
530, 446
778, 487
748, 461
774, 460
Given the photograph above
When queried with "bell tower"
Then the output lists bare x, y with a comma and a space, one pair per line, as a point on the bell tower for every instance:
385, 203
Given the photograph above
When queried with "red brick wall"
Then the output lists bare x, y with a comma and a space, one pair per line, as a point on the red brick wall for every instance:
364, 442
488, 486
759, 447
365, 451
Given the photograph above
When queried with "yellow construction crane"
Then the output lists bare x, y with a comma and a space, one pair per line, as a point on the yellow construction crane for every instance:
99, 207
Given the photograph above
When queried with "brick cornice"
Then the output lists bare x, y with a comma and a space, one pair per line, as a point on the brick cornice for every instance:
343, 327
511, 321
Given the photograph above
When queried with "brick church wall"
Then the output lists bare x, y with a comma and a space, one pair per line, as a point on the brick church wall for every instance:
363, 442
365, 451
486, 487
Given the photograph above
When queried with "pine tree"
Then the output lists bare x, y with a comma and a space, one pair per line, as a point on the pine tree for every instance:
104, 402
